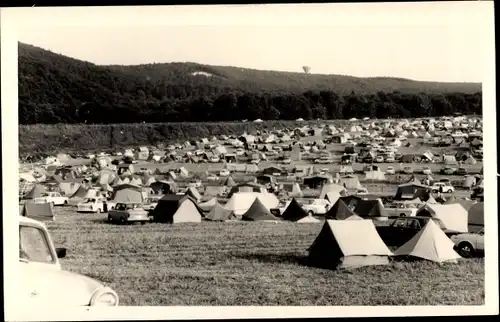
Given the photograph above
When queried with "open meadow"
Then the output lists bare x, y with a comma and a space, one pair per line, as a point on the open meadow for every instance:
245, 263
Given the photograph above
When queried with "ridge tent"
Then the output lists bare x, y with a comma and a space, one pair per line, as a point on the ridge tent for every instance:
370, 208
208, 205
258, 212
229, 182
340, 210
219, 213
37, 191
69, 188
430, 243
292, 189
295, 212
454, 216
38, 211
332, 188
348, 244
240, 202
193, 193
127, 193
173, 209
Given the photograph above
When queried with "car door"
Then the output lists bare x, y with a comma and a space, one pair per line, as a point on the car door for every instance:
480, 240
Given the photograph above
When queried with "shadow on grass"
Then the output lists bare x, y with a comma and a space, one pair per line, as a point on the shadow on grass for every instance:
286, 258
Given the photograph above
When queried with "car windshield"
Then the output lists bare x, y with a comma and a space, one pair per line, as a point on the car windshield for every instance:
33, 245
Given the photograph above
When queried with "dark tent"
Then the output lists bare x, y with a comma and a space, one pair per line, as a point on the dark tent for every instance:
38, 211
168, 206
340, 211
407, 158
370, 208
409, 190
165, 187
229, 182
476, 217
257, 212
219, 213
37, 191
294, 211
315, 182
193, 193
348, 244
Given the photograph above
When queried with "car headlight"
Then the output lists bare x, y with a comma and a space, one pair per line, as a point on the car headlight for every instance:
104, 297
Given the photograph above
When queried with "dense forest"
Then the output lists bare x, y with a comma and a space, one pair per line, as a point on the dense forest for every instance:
57, 89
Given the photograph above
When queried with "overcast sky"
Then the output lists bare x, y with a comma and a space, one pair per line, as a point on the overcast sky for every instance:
423, 41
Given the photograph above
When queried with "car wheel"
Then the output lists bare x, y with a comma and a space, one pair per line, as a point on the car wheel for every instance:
450, 191
465, 250
122, 220
143, 222
402, 215
99, 210
310, 213
109, 218
65, 202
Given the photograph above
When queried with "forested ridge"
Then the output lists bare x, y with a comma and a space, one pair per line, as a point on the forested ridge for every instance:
57, 89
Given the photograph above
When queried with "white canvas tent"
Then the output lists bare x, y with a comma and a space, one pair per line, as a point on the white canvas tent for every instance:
430, 243
348, 244
454, 216
240, 202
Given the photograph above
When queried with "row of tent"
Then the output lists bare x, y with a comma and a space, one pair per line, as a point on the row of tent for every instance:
356, 243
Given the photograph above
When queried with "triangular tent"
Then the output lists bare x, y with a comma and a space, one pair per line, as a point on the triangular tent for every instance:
208, 205
340, 210
38, 211
294, 211
219, 213
176, 209
229, 182
454, 216
348, 244
370, 208
430, 243
37, 191
257, 212
193, 193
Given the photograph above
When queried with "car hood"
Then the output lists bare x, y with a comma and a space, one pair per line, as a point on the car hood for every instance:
53, 286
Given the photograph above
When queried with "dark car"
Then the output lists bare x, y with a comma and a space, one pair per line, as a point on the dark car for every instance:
461, 171
402, 229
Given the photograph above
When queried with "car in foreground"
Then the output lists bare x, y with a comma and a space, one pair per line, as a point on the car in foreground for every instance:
129, 212
43, 283
402, 229
469, 244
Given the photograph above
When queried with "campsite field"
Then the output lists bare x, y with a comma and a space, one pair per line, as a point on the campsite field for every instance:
244, 263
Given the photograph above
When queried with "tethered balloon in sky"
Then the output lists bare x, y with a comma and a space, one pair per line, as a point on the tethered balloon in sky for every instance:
306, 69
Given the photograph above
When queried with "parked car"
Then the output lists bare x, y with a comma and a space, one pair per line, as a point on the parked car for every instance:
403, 229
41, 274
469, 244
224, 172
95, 205
240, 152
287, 161
448, 171
52, 197
390, 170
390, 159
444, 187
379, 159
129, 212
255, 161
461, 171
315, 206
427, 170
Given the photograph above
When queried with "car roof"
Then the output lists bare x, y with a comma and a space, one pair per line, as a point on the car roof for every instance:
26, 220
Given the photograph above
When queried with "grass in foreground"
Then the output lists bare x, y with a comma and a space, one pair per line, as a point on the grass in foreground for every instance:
246, 264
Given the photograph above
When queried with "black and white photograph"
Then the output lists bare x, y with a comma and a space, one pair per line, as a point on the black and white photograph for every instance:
197, 161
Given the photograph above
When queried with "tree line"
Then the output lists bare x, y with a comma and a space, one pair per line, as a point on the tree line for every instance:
155, 105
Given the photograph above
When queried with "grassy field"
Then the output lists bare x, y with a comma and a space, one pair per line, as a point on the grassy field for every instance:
245, 264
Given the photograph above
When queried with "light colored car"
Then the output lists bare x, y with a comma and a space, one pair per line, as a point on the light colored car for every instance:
255, 161
407, 170
214, 159
43, 283
427, 170
469, 244
444, 186
128, 212
287, 161
390, 159
390, 170
52, 197
224, 172
240, 152
91, 205
379, 159
315, 206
